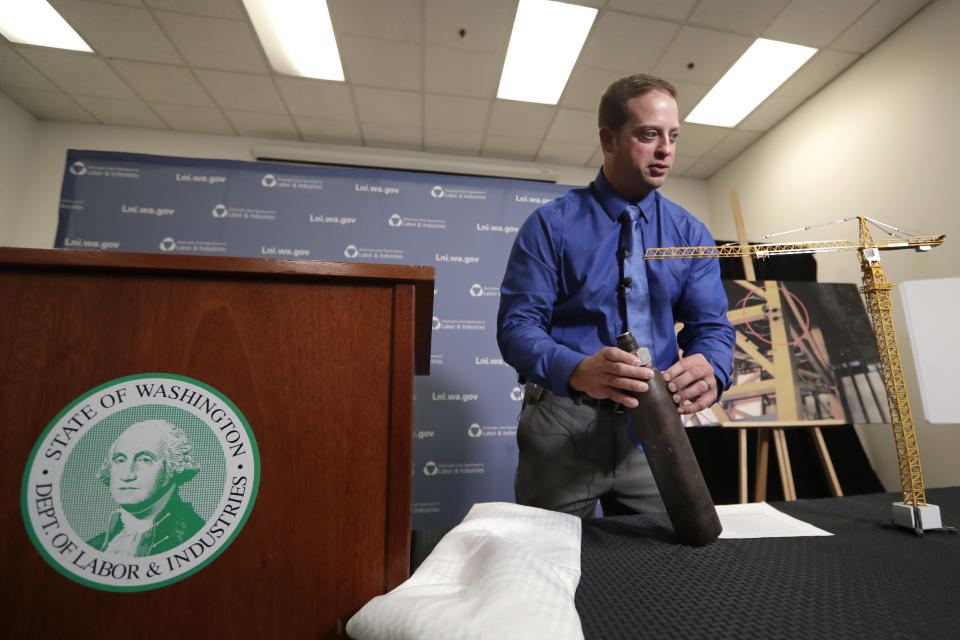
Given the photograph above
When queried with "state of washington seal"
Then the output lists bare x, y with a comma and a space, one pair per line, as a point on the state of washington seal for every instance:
140, 482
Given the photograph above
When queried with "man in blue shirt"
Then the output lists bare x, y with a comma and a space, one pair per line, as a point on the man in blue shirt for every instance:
565, 297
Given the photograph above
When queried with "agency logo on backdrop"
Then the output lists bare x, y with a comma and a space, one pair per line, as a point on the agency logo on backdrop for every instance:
444, 324
88, 168
432, 468
516, 394
220, 211
78, 168
407, 222
193, 246
140, 482
476, 431
478, 290
448, 193
270, 181
353, 251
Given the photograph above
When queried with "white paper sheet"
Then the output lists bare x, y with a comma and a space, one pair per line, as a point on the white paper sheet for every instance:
760, 520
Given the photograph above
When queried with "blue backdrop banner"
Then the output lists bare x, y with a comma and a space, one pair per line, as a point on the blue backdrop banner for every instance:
465, 411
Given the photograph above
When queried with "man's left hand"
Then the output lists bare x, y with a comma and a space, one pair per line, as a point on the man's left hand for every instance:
692, 378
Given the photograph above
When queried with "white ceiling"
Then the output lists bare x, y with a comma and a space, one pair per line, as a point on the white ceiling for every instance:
414, 83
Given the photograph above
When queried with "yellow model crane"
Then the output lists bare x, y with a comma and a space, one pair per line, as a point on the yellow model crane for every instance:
913, 512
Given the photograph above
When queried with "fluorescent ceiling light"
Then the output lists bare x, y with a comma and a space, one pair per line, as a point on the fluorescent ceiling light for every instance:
760, 70
297, 36
36, 22
545, 43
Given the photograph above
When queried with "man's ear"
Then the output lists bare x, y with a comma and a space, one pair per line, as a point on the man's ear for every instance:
608, 139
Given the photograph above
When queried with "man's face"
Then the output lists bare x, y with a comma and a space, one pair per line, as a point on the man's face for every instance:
137, 474
638, 158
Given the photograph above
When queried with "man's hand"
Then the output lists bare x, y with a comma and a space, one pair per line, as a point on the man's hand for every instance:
692, 378
610, 371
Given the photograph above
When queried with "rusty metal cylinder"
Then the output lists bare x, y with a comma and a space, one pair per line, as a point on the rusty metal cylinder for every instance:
671, 458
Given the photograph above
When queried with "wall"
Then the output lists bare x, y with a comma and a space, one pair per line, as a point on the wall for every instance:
41, 175
880, 141
17, 131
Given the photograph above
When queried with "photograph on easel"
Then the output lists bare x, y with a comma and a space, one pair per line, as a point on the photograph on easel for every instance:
804, 351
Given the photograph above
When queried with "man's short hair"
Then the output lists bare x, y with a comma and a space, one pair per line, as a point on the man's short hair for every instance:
613, 104
177, 452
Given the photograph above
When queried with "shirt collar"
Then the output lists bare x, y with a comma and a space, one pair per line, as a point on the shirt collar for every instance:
614, 204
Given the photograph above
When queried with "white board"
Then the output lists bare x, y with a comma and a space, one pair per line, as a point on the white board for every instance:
932, 308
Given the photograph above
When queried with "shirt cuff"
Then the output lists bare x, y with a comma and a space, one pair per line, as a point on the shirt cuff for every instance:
558, 379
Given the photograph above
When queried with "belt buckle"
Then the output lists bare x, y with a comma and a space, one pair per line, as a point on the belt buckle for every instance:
532, 392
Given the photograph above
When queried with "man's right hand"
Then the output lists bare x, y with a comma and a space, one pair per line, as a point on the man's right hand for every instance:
608, 372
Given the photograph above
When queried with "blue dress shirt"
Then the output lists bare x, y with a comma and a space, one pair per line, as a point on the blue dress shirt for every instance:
559, 302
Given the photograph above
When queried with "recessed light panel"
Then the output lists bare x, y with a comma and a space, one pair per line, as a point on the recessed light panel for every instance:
544, 45
760, 70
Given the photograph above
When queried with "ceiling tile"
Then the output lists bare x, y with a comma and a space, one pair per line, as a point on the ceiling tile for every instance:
574, 126
317, 98
328, 130
455, 142
17, 72
194, 119
49, 105
585, 87
573, 154
242, 91
388, 19
668, 9
163, 83
733, 144
391, 137
711, 52
806, 82
487, 24
596, 160
79, 73
627, 43
522, 119
388, 107
114, 31
214, 43
704, 168
212, 8
462, 73
510, 147
689, 95
381, 63
455, 113
681, 163
263, 125
746, 17
698, 139
815, 23
876, 24
121, 113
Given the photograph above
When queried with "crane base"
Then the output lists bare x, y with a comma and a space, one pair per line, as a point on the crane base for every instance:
920, 519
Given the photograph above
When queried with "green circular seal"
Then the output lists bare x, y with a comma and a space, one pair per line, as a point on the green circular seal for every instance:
140, 482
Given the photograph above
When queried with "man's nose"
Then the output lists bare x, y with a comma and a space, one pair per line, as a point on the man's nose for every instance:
666, 147
128, 471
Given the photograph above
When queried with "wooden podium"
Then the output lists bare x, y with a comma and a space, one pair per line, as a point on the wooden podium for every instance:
319, 357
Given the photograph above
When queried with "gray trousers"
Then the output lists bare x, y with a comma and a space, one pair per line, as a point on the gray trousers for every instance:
573, 455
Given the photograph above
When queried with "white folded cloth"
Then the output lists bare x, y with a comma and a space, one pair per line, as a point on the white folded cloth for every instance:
506, 571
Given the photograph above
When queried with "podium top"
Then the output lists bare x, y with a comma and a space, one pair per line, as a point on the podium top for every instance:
227, 267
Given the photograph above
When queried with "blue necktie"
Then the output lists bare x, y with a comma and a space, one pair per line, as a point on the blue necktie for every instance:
636, 290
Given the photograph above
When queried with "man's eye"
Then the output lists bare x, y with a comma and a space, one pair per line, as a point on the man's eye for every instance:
649, 135
119, 458
146, 458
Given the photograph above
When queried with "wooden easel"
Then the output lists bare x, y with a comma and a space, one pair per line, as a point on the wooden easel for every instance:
787, 413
